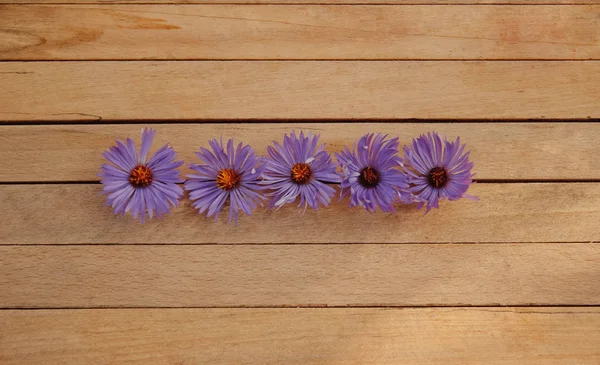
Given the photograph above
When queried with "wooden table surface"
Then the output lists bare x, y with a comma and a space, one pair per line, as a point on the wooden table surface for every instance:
511, 279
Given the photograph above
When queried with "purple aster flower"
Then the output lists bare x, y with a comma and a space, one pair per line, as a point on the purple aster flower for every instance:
300, 168
371, 173
226, 175
140, 185
437, 169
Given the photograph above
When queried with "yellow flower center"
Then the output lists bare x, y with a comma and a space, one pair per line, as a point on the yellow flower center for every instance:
301, 173
227, 179
140, 176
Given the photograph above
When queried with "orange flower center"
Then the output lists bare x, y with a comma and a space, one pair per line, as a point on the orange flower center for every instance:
369, 177
228, 179
438, 177
140, 176
301, 173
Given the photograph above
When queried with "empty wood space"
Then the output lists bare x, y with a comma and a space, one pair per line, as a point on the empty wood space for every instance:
103, 91
538, 336
293, 275
509, 279
310, 2
288, 32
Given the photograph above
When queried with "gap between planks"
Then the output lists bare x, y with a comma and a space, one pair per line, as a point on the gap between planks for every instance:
289, 121
293, 60
495, 307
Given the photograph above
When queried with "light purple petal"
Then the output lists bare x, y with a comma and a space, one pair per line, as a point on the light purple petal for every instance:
432, 151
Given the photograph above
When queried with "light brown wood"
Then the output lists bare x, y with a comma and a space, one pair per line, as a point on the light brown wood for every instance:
91, 91
117, 291
66, 214
499, 150
292, 275
289, 32
325, 2
463, 336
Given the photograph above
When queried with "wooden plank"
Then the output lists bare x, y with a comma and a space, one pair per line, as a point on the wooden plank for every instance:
292, 275
499, 150
464, 336
311, 2
66, 32
92, 91
67, 214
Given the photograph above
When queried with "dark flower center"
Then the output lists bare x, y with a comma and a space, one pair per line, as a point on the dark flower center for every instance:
438, 177
228, 179
301, 173
140, 176
369, 177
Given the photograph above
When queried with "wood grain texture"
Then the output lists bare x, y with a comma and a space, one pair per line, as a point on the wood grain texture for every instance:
309, 2
522, 244
292, 275
499, 150
67, 214
466, 336
92, 91
291, 32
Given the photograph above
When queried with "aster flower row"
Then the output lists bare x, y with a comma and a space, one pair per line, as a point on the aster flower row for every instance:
371, 173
